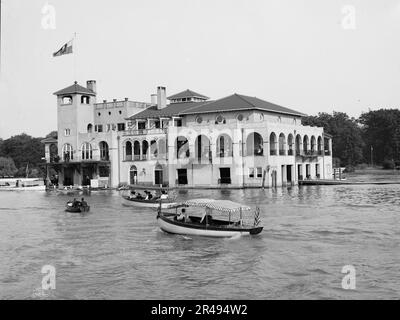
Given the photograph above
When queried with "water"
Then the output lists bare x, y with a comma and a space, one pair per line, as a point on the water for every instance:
116, 252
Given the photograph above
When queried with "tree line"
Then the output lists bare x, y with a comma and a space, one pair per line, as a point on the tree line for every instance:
371, 139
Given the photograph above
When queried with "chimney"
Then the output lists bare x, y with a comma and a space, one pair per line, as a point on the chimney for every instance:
154, 99
161, 97
91, 85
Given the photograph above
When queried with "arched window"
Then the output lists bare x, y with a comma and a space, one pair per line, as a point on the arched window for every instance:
290, 145
162, 148
182, 147
319, 143
133, 175
153, 149
128, 151
305, 144
87, 152
85, 99
298, 145
254, 144
273, 144
104, 152
68, 152
313, 144
89, 128
136, 150
145, 148
67, 100
282, 147
202, 148
224, 146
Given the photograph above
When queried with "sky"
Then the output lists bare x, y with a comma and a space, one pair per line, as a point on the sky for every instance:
309, 55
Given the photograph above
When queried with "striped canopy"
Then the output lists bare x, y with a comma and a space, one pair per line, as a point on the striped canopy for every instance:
220, 205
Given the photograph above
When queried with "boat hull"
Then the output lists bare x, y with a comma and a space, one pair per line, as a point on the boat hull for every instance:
169, 226
146, 204
34, 188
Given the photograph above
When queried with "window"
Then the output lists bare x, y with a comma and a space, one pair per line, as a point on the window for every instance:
239, 117
157, 124
89, 128
255, 172
199, 120
99, 114
120, 112
68, 153
220, 119
98, 128
67, 100
85, 100
178, 122
67, 132
109, 113
251, 172
87, 151
121, 126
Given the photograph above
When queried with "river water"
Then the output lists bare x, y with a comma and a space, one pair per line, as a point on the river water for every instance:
117, 252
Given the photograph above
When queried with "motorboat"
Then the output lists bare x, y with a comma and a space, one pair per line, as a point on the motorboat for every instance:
77, 206
220, 218
148, 201
22, 184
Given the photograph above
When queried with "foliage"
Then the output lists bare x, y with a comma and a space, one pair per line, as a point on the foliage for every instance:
7, 167
346, 134
381, 131
388, 164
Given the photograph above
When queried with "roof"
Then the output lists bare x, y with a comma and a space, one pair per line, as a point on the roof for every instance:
173, 109
75, 88
238, 102
220, 205
187, 93
49, 140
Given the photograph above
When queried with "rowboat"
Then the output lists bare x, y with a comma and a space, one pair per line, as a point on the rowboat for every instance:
230, 219
76, 207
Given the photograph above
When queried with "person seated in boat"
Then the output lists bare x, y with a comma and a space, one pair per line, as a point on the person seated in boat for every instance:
206, 218
164, 195
133, 195
149, 196
139, 196
84, 203
75, 203
182, 216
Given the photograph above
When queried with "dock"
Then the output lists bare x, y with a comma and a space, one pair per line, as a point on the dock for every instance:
325, 182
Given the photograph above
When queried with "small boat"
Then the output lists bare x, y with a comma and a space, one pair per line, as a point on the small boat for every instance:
153, 202
76, 207
22, 184
230, 221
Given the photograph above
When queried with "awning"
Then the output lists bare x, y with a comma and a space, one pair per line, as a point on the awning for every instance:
220, 205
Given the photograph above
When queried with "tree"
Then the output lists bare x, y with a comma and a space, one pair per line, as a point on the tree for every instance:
381, 131
347, 144
7, 167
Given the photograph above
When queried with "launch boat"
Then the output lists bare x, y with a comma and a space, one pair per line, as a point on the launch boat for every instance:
220, 218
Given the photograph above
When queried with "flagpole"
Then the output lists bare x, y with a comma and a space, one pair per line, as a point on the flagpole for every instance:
74, 54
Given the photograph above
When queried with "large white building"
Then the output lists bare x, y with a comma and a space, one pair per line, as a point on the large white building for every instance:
236, 141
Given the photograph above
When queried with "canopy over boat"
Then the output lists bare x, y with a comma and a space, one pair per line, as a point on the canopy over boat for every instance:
220, 205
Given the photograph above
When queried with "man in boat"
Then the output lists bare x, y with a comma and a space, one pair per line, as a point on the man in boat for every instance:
182, 216
164, 195
133, 195
84, 203
206, 218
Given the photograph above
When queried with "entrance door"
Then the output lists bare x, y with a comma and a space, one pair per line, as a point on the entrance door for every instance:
87, 175
158, 176
182, 176
308, 171
225, 175
68, 177
273, 178
289, 174
299, 172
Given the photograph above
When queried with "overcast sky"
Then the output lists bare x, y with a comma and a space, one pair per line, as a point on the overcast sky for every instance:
309, 55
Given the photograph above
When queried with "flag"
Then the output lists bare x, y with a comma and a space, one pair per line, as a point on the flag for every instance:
65, 49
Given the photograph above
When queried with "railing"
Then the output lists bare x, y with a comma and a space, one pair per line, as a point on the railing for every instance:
224, 154
140, 132
290, 152
282, 152
273, 152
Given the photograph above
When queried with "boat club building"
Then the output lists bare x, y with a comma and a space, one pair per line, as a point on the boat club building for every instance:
192, 141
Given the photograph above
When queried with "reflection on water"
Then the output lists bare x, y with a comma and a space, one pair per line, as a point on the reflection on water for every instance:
116, 252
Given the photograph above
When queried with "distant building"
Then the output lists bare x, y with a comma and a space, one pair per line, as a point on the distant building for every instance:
237, 141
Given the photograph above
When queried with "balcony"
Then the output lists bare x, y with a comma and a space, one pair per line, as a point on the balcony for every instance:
282, 153
290, 152
142, 132
273, 152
